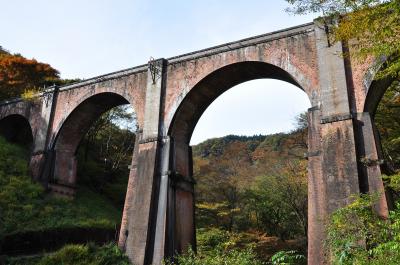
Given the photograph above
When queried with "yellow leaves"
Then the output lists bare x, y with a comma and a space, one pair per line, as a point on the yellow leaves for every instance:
376, 30
394, 181
222, 208
211, 206
30, 94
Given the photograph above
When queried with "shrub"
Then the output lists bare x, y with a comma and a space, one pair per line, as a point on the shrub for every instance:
288, 258
218, 257
357, 235
25, 206
213, 238
89, 254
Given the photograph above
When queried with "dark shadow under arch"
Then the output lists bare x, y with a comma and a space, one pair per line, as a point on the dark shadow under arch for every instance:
16, 129
376, 87
375, 93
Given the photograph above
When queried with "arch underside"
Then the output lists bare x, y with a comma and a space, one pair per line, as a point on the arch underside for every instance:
376, 87
212, 86
82, 117
375, 93
72, 132
16, 128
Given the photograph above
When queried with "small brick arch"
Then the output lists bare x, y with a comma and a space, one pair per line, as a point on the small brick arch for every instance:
16, 128
72, 130
375, 88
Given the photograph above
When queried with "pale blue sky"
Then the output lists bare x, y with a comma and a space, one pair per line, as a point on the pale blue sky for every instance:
87, 38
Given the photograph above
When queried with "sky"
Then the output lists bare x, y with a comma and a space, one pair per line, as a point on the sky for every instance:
87, 38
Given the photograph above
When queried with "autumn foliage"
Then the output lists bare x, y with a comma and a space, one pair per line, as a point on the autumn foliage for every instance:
256, 183
370, 27
18, 74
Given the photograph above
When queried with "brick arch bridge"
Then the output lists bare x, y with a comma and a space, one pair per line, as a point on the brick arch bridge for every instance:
170, 95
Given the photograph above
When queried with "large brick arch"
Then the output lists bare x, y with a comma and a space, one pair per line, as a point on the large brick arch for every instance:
202, 94
295, 55
88, 108
185, 118
72, 130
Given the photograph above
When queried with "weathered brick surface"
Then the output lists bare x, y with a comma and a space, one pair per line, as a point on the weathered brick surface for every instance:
295, 54
131, 88
169, 97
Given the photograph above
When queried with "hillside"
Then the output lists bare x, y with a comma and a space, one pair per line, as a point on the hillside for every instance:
32, 220
253, 190
29, 210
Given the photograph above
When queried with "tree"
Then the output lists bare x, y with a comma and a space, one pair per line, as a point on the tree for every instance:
18, 74
371, 27
387, 120
279, 200
106, 152
229, 173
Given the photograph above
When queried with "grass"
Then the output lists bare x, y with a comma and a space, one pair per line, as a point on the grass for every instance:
88, 254
39, 211
26, 206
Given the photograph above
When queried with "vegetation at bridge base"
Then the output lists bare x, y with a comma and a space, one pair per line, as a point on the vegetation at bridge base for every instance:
217, 257
217, 246
356, 235
257, 202
26, 207
88, 254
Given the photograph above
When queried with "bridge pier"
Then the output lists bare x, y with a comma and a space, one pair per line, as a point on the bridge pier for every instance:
183, 209
332, 178
338, 140
65, 167
127, 212
369, 161
64, 171
36, 164
159, 209
144, 220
